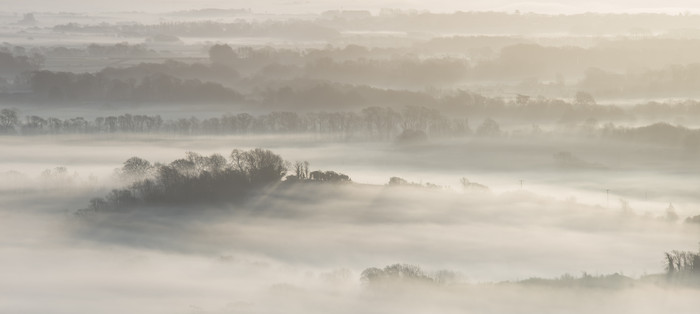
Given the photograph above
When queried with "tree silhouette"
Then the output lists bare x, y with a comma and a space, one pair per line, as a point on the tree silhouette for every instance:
395, 274
136, 168
489, 128
8, 121
221, 54
260, 165
301, 170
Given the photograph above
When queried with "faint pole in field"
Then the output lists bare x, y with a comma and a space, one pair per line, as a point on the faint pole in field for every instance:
607, 198
521, 184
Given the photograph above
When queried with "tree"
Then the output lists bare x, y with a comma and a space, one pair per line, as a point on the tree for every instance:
261, 166
221, 54
8, 121
215, 163
397, 273
397, 181
488, 128
136, 168
681, 264
27, 19
328, 176
584, 99
371, 275
185, 167
301, 170
121, 198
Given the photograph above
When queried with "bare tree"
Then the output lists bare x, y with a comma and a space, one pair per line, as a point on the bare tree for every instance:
301, 170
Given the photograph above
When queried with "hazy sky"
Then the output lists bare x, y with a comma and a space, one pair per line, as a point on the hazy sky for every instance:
299, 6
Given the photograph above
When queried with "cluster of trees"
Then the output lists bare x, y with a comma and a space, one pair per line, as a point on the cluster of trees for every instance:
467, 186
398, 181
404, 274
302, 174
682, 266
198, 179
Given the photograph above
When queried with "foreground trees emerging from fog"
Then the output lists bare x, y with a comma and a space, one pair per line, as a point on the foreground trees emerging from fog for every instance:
198, 179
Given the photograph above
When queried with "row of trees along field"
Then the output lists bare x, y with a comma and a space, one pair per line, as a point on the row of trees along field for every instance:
372, 122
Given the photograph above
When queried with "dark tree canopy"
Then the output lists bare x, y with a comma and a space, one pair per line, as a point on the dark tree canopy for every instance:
259, 165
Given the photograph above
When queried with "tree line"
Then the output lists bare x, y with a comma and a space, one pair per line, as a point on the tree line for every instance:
372, 123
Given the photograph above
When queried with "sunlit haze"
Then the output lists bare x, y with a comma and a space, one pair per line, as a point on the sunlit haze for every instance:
349, 156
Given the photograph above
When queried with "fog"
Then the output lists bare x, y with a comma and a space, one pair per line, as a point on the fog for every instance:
363, 156
549, 6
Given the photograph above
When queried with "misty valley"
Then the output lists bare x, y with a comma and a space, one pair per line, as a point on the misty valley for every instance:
303, 158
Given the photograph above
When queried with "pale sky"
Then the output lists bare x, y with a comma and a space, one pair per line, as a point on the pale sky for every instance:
311, 6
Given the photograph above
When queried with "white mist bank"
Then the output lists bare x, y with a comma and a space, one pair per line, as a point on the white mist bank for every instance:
303, 251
